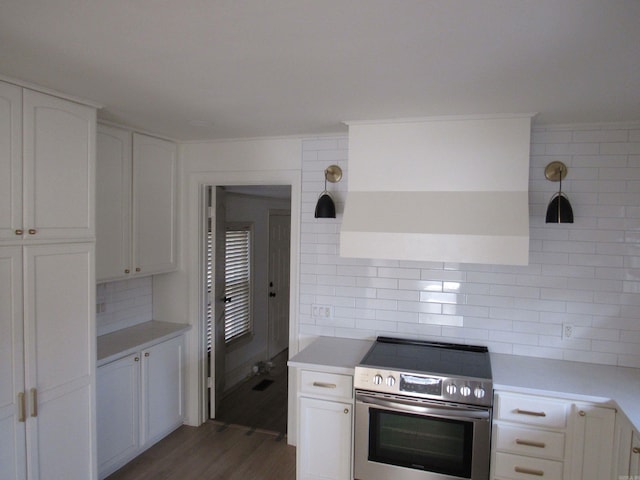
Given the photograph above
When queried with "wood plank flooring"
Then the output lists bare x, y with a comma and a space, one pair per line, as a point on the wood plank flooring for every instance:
214, 451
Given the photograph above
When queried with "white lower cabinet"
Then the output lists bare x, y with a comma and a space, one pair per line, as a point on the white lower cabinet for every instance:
118, 412
325, 426
552, 438
634, 464
626, 450
139, 401
592, 429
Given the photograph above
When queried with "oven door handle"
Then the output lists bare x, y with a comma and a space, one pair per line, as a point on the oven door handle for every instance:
440, 410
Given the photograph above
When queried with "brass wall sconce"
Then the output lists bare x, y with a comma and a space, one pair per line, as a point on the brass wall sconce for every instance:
559, 209
325, 207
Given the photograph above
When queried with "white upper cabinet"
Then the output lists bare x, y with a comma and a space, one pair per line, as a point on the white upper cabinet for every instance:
10, 160
47, 162
58, 168
135, 204
154, 204
113, 203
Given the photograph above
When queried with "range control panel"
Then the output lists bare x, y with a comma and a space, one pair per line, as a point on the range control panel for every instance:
459, 390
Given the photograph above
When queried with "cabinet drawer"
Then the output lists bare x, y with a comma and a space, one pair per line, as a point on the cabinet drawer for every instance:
516, 467
326, 384
531, 410
531, 442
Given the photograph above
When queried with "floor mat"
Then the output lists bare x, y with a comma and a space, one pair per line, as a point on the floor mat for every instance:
262, 385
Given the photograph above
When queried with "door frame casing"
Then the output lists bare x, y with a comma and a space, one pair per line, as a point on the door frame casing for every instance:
194, 264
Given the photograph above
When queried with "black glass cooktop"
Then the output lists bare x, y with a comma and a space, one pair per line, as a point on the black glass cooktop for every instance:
436, 358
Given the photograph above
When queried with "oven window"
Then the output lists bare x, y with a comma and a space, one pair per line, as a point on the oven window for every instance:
423, 443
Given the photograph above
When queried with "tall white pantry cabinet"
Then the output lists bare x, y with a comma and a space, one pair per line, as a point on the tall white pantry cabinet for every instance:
47, 287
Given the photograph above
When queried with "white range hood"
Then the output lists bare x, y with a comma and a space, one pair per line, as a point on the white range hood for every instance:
446, 189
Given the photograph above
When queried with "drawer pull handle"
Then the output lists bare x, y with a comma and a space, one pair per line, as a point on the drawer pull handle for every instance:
324, 385
530, 443
529, 471
529, 412
636, 449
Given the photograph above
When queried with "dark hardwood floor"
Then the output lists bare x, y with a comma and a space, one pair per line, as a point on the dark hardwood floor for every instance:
260, 409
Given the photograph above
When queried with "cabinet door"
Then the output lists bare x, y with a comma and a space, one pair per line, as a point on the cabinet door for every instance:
117, 407
162, 392
12, 426
622, 446
634, 467
592, 434
60, 340
324, 440
154, 204
58, 168
113, 203
10, 160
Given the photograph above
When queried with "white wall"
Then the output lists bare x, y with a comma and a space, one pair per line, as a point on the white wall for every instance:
176, 297
586, 274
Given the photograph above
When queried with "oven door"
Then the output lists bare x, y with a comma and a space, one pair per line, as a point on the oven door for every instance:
414, 439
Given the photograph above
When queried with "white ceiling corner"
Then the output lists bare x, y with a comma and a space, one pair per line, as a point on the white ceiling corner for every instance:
205, 69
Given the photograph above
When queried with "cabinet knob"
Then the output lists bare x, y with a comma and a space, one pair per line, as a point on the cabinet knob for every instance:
137, 359
32, 231
138, 269
346, 410
19, 232
636, 450
127, 271
146, 354
582, 413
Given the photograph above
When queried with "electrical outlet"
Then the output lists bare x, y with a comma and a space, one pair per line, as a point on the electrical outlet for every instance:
322, 311
567, 331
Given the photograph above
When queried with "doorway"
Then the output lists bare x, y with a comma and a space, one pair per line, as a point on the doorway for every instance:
247, 369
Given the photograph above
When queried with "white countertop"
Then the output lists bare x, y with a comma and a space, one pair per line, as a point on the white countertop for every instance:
128, 340
332, 354
618, 387
589, 382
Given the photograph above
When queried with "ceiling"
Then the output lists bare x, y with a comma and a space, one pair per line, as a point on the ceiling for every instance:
210, 69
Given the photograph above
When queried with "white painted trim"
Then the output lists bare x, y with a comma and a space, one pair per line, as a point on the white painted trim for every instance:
49, 91
197, 408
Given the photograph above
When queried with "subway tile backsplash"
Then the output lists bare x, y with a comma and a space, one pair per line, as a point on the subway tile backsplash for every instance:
586, 274
124, 304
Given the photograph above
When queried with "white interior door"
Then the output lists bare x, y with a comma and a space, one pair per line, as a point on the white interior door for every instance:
217, 367
279, 263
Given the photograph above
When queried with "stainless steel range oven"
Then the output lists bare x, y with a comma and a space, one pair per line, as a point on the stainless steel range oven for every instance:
423, 411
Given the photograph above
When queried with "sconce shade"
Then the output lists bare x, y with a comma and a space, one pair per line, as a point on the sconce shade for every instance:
325, 208
559, 209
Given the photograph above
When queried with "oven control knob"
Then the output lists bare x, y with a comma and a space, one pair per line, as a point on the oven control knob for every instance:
377, 380
451, 389
465, 391
390, 381
479, 392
